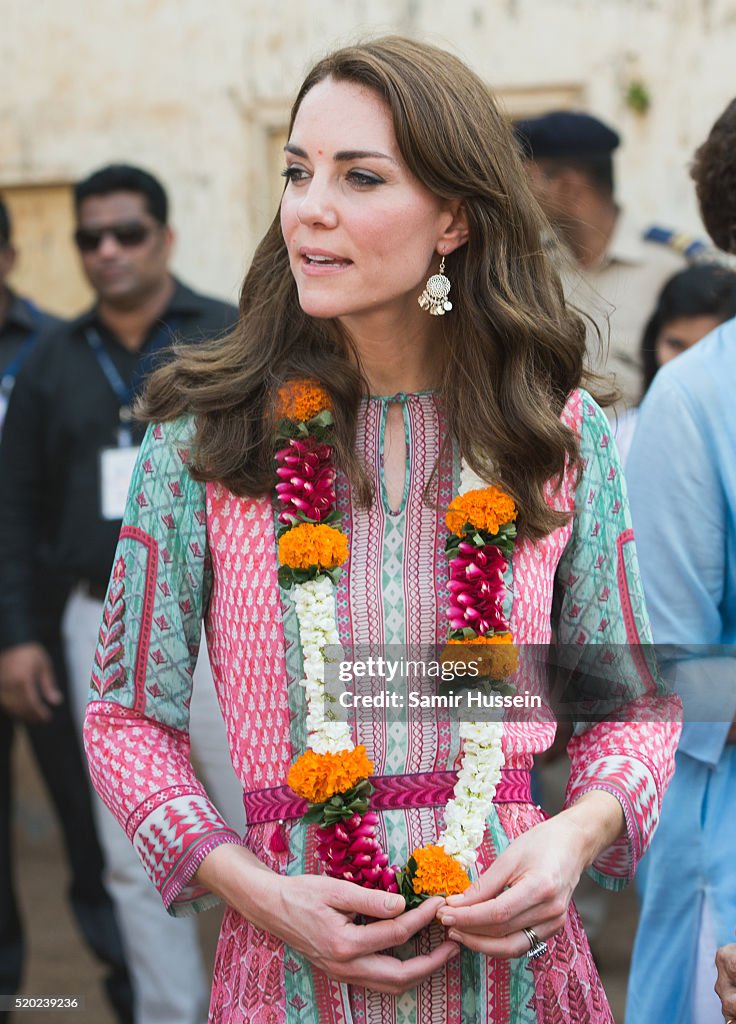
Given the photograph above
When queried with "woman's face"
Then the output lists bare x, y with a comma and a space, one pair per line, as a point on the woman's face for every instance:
361, 231
681, 334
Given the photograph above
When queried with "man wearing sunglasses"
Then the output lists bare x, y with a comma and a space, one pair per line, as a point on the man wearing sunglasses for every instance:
66, 456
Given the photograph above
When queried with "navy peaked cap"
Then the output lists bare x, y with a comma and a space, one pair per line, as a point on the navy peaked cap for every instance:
565, 133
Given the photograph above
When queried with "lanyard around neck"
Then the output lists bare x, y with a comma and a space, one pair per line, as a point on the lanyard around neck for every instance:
125, 392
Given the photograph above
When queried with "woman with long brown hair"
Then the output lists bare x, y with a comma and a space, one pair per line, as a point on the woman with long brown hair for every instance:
402, 389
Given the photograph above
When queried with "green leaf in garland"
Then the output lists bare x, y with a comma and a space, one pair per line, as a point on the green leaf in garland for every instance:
503, 539
286, 430
341, 806
321, 421
320, 427
334, 518
451, 545
405, 880
505, 689
287, 576
364, 788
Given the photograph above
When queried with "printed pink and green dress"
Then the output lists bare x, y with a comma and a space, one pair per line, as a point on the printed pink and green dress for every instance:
191, 552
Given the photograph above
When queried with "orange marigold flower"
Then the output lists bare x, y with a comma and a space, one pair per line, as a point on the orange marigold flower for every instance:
438, 874
487, 509
317, 777
302, 400
313, 544
499, 658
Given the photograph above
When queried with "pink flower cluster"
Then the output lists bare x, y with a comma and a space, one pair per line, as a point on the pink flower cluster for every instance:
349, 849
477, 589
307, 480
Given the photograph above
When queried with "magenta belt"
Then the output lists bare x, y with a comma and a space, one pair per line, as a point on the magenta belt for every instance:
391, 793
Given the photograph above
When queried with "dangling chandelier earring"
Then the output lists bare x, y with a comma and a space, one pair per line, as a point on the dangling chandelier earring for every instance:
434, 297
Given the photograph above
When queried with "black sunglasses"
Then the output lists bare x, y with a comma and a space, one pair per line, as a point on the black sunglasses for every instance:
127, 235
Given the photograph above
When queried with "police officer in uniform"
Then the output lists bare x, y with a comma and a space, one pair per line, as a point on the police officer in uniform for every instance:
612, 268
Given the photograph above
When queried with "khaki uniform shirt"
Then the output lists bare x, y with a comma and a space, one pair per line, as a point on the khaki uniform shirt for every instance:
619, 295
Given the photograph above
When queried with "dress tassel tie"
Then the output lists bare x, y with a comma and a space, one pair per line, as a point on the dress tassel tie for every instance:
277, 843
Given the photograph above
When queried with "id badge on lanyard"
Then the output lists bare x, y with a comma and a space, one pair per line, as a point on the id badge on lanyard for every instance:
125, 427
116, 464
116, 472
116, 469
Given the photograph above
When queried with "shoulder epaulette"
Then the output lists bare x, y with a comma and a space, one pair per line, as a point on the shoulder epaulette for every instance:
689, 246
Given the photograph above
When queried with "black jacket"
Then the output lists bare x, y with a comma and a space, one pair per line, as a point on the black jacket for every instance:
62, 414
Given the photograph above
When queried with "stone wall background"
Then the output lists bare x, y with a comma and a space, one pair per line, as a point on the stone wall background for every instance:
199, 93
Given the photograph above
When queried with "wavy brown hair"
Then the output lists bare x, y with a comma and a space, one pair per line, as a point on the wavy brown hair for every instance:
513, 349
714, 173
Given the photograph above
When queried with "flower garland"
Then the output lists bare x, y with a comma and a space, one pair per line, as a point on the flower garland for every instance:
333, 775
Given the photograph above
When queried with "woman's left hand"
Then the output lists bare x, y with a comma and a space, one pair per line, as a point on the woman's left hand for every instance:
531, 883
726, 984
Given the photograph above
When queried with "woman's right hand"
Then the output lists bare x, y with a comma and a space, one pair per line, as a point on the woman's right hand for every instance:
316, 915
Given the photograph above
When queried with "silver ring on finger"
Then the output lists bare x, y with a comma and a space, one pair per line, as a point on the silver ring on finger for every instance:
537, 946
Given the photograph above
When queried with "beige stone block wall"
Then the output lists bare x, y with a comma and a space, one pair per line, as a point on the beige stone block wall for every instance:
199, 93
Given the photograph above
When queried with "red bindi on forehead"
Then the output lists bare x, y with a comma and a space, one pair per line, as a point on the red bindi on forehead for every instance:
320, 152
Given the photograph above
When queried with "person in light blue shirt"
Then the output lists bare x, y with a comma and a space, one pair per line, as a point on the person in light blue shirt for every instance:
682, 482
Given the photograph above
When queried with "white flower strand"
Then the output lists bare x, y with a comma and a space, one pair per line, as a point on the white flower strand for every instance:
480, 768
472, 800
314, 602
